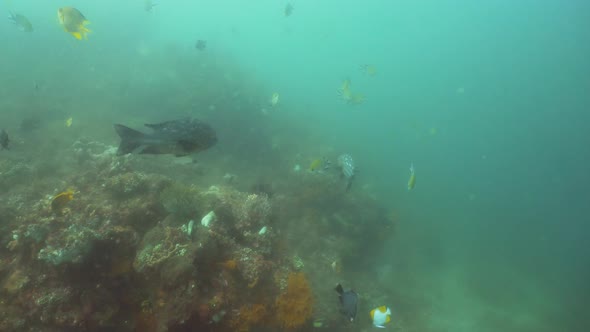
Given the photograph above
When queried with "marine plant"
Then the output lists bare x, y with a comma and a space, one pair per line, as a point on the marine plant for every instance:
249, 316
180, 200
159, 245
295, 305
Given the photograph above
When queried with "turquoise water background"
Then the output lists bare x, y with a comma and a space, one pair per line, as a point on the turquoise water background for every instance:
488, 99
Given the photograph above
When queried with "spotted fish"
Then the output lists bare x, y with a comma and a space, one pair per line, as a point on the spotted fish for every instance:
346, 164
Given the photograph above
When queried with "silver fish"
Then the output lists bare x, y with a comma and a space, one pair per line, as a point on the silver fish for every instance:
21, 22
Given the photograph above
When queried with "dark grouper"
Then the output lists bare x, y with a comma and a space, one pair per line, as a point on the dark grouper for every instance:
177, 137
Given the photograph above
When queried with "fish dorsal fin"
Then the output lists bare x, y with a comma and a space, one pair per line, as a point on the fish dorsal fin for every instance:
383, 309
373, 314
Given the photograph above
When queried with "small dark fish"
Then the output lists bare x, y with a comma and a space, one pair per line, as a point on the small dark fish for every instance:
177, 137
148, 5
348, 302
288, 10
201, 45
30, 123
4, 140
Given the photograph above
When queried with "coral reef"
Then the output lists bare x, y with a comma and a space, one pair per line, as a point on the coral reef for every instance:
295, 305
250, 316
129, 252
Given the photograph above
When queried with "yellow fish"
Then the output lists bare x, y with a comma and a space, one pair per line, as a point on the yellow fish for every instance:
412, 180
348, 95
380, 316
60, 200
73, 22
274, 100
369, 70
69, 122
345, 85
315, 165
356, 98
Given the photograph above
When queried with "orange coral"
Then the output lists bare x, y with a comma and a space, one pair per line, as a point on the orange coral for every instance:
230, 264
295, 305
250, 315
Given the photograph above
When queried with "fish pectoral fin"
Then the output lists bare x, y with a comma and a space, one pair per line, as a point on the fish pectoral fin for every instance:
77, 35
127, 147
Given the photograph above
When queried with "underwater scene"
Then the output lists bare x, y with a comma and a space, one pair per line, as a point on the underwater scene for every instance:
295, 165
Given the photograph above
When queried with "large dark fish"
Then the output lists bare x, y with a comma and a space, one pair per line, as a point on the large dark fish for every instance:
348, 302
4, 140
177, 137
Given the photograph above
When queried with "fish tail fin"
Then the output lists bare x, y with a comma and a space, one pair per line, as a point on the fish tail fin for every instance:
130, 139
85, 30
339, 289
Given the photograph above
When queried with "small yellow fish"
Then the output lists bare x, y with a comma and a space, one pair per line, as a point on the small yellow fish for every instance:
315, 165
380, 316
69, 122
348, 95
336, 266
73, 22
345, 85
369, 70
412, 180
60, 200
356, 98
274, 100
